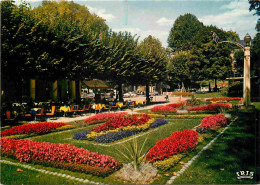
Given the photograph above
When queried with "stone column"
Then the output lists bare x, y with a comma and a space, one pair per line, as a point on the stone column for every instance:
246, 85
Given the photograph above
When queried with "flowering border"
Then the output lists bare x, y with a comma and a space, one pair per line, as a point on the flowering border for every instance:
33, 128
63, 156
178, 142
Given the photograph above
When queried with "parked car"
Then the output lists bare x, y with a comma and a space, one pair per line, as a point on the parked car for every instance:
204, 89
154, 93
193, 90
177, 90
90, 95
133, 94
127, 95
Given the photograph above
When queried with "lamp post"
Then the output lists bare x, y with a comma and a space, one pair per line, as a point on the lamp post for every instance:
246, 80
247, 84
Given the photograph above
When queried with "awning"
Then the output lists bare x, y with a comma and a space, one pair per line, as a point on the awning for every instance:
92, 84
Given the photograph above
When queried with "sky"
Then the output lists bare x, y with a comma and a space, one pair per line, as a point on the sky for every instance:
156, 17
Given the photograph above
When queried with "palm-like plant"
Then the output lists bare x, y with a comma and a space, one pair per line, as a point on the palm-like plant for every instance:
134, 153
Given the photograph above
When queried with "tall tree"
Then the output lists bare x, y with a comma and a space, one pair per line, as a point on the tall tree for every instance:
255, 49
154, 62
118, 62
21, 41
184, 29
215, 62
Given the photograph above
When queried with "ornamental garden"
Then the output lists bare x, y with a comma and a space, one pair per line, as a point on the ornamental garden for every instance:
150, 146
83, 104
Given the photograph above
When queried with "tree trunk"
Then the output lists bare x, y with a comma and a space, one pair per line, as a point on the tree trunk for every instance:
216, 86
209, 87
120, 93
147, 93
77, 92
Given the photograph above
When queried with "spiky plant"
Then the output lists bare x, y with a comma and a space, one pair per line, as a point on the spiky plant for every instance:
134, 153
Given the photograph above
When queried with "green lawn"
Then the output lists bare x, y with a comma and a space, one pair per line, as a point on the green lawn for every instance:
257, 105
27, 176
210, 95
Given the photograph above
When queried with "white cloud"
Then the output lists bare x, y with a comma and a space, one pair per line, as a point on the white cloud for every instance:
159, 34
165, 22
102, 13
236, 17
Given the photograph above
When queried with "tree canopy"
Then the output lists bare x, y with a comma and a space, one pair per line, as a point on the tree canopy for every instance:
184, 29
64, 40
203, 59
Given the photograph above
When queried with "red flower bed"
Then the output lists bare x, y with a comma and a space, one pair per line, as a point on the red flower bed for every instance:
212, 107
179, 141
39, 128
223, 99
176, 105
58, 155
102, 117
123, 121
213, 121
163, 108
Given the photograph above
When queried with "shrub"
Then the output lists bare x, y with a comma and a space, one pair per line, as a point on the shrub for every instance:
114, 136
163, 108
158, 122
55, 154
37, 128
98, 118
213, 121
193, 101
123, 121
178, 142
81, 135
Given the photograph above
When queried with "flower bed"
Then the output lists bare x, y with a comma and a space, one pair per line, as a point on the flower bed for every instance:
188, 116
176, 105
212, 107
81, 135
223, 99
64, 156
178, 142
98, 118
169, 162
123, 121
213, 121
114, 136
140, 128
158, 123
157, 115
182, 94
163, 108
33, 128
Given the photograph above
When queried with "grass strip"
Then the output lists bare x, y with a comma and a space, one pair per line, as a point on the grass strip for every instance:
34, 175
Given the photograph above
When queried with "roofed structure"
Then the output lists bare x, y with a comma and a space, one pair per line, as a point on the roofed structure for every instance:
95, 83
